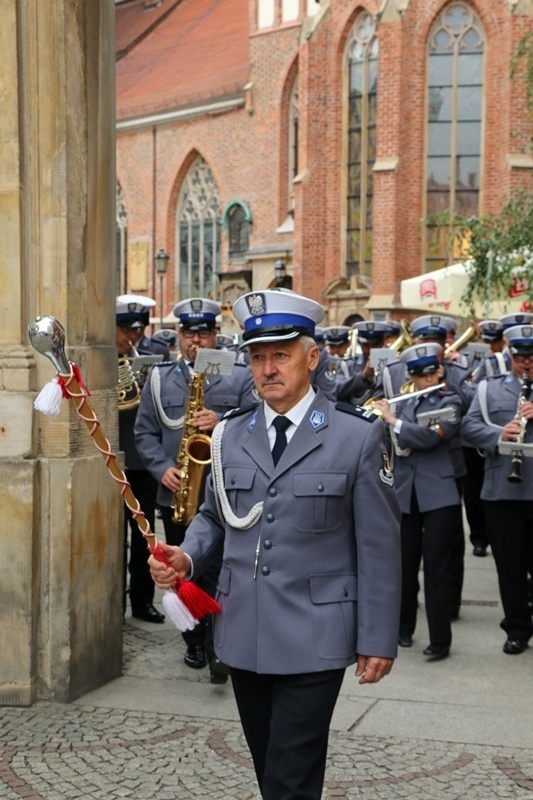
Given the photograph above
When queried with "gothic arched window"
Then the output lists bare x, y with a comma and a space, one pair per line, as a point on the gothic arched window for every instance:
237, 219
454, 124
198, 232
362, 101
293, 141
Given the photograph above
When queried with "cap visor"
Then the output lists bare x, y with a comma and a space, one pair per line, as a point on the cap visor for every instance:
271, 338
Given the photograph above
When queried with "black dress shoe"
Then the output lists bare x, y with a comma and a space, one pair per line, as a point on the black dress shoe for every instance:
148, 613
514, 646
437, 650
405, 641
479, 550
219, 671
195, 656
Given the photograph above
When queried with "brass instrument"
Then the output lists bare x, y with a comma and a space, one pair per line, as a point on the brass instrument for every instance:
129, 391
405, 339
194, 457
468, 335
515, 476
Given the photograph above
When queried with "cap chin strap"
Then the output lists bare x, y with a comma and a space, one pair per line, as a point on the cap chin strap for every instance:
223, 504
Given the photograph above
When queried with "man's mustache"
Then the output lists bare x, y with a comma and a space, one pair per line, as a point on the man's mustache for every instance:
270, 381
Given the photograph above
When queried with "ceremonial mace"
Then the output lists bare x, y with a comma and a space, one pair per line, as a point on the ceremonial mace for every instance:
187, 603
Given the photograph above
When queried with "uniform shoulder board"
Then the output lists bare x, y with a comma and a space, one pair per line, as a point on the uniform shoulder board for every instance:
238, 412
357, 411
163, 363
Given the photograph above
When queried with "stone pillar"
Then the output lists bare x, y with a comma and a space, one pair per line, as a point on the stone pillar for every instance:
60, 528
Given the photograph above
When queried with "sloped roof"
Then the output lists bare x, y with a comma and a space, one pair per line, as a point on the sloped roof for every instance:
197, 50
134, 20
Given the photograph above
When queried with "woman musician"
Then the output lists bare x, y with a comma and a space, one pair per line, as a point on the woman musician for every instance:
424, 475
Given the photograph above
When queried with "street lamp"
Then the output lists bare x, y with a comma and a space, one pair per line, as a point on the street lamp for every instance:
161, 265
279, 270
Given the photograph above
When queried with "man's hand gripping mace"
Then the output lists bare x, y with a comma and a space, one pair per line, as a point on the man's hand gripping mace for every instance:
47, 336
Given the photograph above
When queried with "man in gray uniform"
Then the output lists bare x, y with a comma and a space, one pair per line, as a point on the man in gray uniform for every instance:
302, 503
159, 423
502, 412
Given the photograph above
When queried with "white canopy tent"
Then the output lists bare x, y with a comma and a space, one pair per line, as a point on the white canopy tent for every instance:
441, 291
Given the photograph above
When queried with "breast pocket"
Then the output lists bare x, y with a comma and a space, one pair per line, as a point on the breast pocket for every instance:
221, 401
238, 483
317, 507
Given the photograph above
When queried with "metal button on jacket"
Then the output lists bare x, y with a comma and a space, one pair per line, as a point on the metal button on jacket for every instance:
270, 517
267, 544
265, 570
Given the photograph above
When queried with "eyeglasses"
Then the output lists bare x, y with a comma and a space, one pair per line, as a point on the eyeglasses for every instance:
202, 334
521, 358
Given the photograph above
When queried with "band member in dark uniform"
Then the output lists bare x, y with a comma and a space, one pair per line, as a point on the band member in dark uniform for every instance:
129, 313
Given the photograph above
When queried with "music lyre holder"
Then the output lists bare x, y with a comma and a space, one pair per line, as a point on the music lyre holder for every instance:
428, 419
515, 449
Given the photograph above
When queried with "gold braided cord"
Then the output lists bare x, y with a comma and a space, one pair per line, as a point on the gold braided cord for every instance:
79, 395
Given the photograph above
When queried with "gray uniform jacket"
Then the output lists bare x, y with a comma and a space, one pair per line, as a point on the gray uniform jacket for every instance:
326, 584
157, 442
429, 468
501, 393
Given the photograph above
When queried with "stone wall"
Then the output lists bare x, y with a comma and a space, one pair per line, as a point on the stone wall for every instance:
60, 529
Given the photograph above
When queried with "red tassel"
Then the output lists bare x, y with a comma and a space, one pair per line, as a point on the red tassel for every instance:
199, 603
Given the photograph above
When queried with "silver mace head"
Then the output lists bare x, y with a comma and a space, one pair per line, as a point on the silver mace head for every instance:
47, 336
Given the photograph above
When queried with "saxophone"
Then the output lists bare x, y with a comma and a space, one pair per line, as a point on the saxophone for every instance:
194, 457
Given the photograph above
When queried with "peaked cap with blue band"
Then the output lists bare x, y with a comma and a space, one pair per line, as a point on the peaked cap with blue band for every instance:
490, 330
420, 358
520, 339
275, 315
197, 313
370, 331
392, 327
336, 335
510, 320
133, 308
432, 325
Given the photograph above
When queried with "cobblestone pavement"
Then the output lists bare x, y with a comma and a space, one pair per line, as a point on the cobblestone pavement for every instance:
52, 752
97, 750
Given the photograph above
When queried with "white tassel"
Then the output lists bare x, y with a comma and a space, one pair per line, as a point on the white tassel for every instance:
48, 401
178, 612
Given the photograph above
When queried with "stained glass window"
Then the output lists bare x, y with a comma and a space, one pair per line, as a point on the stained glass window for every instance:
198, 233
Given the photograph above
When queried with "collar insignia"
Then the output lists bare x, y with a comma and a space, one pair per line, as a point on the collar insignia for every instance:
316, 419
